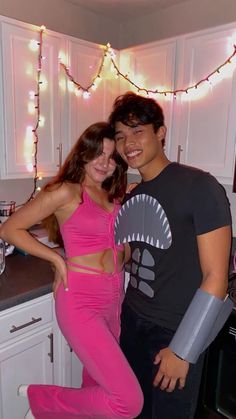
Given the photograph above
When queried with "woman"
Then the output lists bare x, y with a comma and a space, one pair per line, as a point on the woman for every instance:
84, 201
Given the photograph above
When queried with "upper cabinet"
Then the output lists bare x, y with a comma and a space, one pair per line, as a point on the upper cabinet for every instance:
65, 111
20, 62
86, 61
201, 128
152, 67
205, 129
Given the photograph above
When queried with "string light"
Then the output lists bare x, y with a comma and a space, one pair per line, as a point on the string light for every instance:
212, 78
31, 108
176, 91
93, 84
86, 95
33, 45
31, 94
34, 166
41, 121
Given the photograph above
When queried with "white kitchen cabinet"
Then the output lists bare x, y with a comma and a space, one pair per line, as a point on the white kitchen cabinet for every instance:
201, 130
76, 371
26, 352
64, 112
67, 367
33, 351
153, 67
205, 129
19, 81
84, 61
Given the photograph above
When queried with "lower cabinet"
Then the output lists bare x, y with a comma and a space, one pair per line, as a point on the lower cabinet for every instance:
32, 350
68, 368
25, 361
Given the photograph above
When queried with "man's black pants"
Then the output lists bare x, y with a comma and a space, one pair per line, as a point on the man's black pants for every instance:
141, 340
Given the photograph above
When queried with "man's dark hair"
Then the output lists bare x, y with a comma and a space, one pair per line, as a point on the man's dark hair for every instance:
132, 109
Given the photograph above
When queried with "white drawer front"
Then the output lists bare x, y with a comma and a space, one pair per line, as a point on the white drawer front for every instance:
24, 318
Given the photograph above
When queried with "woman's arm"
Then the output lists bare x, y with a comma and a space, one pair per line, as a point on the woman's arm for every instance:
15, 229
127, 252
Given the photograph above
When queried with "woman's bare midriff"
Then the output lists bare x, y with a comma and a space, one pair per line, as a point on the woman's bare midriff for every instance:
102, 261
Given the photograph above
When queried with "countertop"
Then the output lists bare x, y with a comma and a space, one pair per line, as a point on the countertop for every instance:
24, 278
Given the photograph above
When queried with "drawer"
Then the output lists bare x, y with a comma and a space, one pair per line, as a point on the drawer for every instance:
25, 317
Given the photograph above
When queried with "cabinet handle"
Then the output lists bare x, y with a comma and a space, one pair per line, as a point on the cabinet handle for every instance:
51, 353
70, 348
59, 148
179, 153
16, 328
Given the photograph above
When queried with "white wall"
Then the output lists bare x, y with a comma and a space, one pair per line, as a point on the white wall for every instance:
18, 190
185, 17
63, 17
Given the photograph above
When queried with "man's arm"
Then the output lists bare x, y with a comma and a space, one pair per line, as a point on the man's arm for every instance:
214, 252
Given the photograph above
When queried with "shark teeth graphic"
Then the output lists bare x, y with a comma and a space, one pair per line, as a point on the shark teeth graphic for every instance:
143, 219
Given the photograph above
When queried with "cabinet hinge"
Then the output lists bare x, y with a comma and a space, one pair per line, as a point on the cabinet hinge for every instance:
51, 354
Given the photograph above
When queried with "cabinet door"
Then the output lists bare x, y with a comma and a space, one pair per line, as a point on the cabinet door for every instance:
20, 64
76, 371
26, 361
84, 61
206, 127
68, 368
152, 66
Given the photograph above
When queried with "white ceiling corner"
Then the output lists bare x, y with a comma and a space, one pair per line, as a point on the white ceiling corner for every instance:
123, 10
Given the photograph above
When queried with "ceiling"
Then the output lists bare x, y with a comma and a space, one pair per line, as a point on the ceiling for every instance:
123, 10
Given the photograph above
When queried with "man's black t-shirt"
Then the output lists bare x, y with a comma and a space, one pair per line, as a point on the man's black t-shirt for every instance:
161, 219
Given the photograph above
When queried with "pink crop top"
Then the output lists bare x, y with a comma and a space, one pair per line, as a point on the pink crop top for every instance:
90, 229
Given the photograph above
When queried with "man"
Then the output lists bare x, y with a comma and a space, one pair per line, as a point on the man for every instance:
178, 223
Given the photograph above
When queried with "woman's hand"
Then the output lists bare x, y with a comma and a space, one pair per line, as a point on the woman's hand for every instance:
171, 370
60, 275
127, 252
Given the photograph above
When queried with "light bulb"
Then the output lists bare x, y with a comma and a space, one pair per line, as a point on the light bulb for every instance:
86, 95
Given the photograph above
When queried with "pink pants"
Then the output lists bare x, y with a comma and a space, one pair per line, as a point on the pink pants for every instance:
89, 317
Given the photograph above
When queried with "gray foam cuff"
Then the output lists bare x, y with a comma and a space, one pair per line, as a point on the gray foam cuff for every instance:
201, 323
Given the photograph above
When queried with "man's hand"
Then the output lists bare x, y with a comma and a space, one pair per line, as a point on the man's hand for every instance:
131, 186
171, 370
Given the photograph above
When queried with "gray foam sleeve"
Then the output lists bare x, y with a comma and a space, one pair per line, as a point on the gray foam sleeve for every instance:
223, 315
201, 323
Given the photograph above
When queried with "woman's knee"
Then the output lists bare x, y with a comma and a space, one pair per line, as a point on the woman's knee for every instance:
136, 403
133, 403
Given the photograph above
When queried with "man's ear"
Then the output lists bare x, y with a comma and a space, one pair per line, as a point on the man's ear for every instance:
161, 133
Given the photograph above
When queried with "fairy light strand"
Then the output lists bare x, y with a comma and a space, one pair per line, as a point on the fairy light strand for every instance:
91, 84
79, 86
176, 91
108, 50
37, 107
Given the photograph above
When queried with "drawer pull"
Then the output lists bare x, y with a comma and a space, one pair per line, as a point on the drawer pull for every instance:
16, 328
